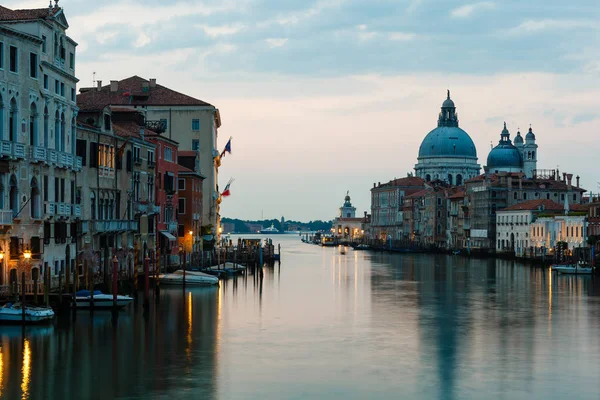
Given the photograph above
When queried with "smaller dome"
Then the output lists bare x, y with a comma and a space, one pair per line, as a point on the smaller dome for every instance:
530, 135
504, 156
448, 103
518, 139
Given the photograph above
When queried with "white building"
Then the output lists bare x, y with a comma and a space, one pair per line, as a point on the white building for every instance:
37, 149
346, 225
546, 232
513, 232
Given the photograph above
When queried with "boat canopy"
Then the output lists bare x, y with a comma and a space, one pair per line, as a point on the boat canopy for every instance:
168, 235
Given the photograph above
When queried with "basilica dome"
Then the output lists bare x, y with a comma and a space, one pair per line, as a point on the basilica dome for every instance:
447, 141
505, 156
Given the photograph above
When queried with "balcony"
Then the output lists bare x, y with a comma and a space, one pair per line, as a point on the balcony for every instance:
52, 156
63, 209
49, 209
18, 150
77, 164
151, 164
153, 209
76, 212
137, 161
6, 217
140, 208
37, 154
172, 227
466, 226
114, 226
5, 148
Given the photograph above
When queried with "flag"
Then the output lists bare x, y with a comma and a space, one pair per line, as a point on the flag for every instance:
122, 149
227, 148
227, 192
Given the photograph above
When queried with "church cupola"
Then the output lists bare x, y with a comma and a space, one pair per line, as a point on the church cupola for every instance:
518, 140
448, 116
347, 210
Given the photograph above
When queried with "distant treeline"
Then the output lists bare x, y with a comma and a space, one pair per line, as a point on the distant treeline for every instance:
241, 226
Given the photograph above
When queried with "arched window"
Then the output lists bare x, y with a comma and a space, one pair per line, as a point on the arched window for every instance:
93, 205
33, 125
63, 132
427, 177
524, 196
46, 126
14, 195
55, 45
459, 180
13, 121
450, 179
533, 155
34, 200
56, 130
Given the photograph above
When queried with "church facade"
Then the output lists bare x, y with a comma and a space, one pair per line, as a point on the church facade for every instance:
520, 156
447, 153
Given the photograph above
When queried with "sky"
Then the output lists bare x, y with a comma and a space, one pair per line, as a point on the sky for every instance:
325, 96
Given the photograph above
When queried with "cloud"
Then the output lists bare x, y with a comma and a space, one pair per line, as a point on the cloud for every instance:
401, 36
276, 42
142, 40
531, 26
222, 30
470, 9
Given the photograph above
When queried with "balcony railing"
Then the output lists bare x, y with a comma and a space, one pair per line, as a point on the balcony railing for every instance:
77, 164
18, 150
49, 209
52, 156
6, 148
140, 208
172, 226
6, 217
137, 161
114, 226
151, 164
153, 209
76, 210
37, 154
63, 209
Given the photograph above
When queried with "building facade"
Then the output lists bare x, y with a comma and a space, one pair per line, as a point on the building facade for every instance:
519, 157
38, 165
346, 225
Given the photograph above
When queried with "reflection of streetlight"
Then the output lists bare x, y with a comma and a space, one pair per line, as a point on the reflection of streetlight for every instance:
1, 254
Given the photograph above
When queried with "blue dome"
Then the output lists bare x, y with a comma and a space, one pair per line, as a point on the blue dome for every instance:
530, 135
519, 138
448, 141
504, 156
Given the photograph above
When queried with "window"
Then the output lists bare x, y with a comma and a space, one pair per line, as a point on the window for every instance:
93, 155
574, 196
72, 94
195, 124
195, 145
71, 60
56, 86
136, 155
62, 89
45, 188
81, 151
150, 158
181, 230
56, 187
13, 65
181, 184
168, 154
106, 122
106, 155
181, 206
45, 81
33, 65
1, 55
44, 44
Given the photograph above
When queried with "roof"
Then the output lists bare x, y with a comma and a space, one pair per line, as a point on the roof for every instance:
181, 168
131, 92
7, 14
536, 205
129, 129
448, 141
187, 153
459, 194
409, 181
419, 193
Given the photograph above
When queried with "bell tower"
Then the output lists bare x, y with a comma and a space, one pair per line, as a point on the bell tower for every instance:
347, 211
529, 154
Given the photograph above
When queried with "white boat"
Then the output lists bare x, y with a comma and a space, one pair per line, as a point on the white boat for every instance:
573, 268
14, 313
270, 230
192, 278
83, 299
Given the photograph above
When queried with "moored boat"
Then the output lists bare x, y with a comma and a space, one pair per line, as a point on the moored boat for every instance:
192, 278
13, 313
573, 268
83, 299
270, 230
362, 247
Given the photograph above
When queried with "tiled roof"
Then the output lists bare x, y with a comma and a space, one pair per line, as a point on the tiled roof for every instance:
130, 92
459, 194
7, 14
417, 194
187, 153
406, 181
129, 129
181, 168
533, 205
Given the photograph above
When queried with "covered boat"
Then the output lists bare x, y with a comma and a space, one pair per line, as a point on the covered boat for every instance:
83, 299
192, 278
13, 313
573, 268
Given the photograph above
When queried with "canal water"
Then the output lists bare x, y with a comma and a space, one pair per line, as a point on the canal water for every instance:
327, 326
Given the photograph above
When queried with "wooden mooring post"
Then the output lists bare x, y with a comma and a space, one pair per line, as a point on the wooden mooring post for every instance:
23, 297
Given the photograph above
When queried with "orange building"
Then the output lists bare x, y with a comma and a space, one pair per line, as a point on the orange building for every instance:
189, 191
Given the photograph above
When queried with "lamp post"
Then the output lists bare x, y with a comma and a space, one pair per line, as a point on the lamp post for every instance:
114, 285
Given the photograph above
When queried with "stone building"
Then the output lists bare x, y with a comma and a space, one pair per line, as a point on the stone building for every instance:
38, 166
190, 122
447, 153
387, 202
346, 225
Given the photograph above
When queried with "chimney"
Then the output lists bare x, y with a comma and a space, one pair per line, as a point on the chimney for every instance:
142, 132
569, 180
152, 82
577, 177
99, 85
564, 177
114, 86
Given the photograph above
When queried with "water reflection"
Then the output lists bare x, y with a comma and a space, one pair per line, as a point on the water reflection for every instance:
26, 370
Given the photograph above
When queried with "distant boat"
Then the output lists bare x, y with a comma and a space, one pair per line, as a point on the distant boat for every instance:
83, 299
270, 231
13, 313
362, 247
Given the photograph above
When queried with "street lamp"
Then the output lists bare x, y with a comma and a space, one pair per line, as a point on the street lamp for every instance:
1, 254
27, 254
